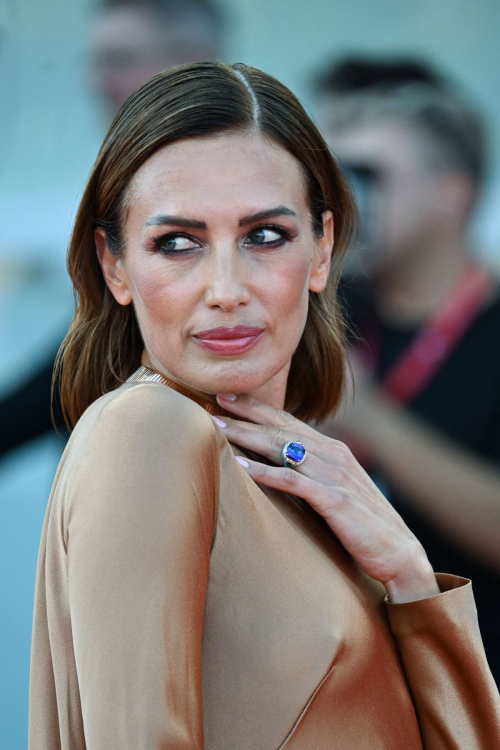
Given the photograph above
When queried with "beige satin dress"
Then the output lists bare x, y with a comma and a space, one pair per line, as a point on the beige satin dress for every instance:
178, 607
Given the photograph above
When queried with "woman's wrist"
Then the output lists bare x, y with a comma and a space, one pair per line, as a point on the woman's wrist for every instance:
417, 582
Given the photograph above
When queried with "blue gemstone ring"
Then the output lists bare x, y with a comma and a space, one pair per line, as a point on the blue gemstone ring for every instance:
293, 454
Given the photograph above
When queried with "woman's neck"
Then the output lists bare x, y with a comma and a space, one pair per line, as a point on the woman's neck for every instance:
273, 392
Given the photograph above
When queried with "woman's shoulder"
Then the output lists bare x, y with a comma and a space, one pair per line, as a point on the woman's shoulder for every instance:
140, 438
136, 452
145, 412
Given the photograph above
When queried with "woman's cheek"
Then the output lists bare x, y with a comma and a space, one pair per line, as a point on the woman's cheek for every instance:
161, 293
160, 310
289, 287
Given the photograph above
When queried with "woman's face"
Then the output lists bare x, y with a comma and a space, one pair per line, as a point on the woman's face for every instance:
219, 259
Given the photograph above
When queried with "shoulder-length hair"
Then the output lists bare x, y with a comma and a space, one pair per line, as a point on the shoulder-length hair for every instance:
103, 346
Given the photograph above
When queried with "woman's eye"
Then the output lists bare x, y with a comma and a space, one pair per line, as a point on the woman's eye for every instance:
264, 236
175, 244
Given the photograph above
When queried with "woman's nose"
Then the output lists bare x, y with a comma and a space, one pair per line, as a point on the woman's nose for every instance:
226, 280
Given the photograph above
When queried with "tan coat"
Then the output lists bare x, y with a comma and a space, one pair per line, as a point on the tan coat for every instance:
178, 607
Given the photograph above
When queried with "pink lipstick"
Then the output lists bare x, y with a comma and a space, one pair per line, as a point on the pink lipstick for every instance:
229, 340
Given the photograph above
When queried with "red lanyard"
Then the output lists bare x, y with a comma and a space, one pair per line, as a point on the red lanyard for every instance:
434, 343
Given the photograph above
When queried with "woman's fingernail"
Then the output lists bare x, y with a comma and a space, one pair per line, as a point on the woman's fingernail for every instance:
219, 421
242, 462
228, 396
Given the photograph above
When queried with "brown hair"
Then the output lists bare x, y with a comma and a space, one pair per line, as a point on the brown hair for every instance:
103, 346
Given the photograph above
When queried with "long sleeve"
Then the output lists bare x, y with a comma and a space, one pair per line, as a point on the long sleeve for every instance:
455, 697
135, 506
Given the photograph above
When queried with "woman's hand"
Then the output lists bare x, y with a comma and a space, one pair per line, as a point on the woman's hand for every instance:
335, 485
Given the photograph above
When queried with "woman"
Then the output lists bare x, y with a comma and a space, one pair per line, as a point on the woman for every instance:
184, 598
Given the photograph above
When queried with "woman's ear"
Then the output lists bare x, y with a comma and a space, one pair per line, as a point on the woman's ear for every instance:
112, 269
322, 261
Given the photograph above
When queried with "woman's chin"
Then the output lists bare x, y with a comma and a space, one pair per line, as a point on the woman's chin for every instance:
232, 380
231, 385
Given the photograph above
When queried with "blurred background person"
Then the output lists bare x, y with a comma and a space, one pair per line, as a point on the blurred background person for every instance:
131, 41
424, 314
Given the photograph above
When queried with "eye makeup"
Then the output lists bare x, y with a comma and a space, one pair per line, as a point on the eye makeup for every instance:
176, 244
284, 235
165, 244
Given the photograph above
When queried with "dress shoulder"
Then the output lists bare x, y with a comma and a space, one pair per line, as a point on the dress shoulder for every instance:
141, 445
149, 410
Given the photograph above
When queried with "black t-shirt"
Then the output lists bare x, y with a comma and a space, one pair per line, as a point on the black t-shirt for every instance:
462, 402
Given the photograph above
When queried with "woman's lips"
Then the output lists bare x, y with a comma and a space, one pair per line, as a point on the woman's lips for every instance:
226, 340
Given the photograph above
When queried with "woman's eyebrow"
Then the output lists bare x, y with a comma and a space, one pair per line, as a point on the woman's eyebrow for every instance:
176, 221
182, 221
267, 213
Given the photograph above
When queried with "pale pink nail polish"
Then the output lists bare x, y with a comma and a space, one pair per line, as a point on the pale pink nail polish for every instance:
228, 396
219, 421
242, 462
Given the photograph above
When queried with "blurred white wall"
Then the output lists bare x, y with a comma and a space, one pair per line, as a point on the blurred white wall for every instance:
48, 130
50, 125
